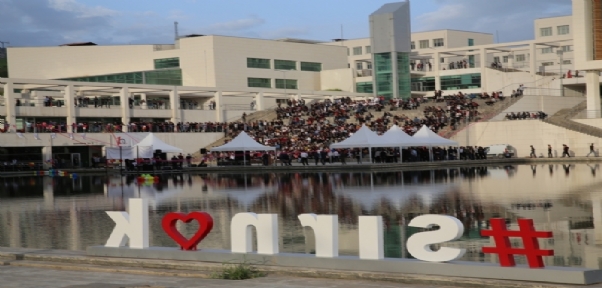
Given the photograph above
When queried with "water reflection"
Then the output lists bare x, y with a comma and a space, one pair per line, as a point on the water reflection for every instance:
66, 213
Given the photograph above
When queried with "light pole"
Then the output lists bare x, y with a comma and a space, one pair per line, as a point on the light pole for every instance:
560, 53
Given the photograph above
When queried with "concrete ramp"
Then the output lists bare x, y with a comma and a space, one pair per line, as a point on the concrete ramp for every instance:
548, 104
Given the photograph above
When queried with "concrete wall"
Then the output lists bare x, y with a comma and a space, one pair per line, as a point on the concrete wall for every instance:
548, 104
338, 79
231, 55
189, 142
522, 133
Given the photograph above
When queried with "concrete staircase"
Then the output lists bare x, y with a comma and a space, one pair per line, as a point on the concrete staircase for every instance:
563, 119
487, 113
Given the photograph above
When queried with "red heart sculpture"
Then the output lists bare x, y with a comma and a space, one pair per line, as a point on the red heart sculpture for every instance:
205, 225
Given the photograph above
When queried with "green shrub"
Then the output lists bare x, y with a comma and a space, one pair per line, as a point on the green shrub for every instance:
238, 271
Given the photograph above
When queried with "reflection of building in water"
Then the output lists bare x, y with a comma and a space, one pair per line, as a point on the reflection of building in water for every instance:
65, 214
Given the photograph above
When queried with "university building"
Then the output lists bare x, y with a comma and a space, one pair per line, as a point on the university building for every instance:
183, 81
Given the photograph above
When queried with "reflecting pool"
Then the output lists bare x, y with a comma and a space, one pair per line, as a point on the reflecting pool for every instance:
66, 213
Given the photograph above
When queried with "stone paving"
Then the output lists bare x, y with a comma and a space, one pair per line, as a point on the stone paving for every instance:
24, 277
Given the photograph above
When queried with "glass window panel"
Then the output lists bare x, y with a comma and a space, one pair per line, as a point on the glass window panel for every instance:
364, 87
290, 84
424, 44
547, 50
547, 31
520, 58
423, 84
167, 63
285, 65
461, 82
357, 50
258, 63
403, 75
311, 66
412, 45
259, 82
438, 42
470, 42
368, 49
563, 30
383, 74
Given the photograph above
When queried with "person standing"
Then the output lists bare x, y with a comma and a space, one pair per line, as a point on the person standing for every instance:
304, 157
549, 151
591, 150
565, 151
532, 155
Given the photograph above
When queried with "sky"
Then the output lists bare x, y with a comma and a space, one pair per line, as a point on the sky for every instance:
106, 22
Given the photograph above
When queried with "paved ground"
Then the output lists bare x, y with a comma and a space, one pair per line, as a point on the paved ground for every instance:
24, 277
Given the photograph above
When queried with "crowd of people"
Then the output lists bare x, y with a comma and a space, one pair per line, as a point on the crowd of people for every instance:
539, 115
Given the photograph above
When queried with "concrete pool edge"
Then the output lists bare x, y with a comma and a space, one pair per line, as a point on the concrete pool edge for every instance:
296, 167
77, 260
343, 264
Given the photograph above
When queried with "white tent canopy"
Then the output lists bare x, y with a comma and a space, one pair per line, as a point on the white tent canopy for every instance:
430, 138
243, 142
152, 141
397, 138
364, 137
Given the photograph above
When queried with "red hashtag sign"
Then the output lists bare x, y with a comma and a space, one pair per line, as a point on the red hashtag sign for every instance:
527, 232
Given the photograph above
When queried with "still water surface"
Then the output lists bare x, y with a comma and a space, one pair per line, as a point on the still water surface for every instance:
65, 213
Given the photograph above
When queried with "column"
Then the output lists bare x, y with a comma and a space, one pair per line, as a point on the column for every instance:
259, 102
532, 58
436, 68
143, 99
126, 112
69, 95
47, 156
9, 104
48, 190
483, 60
597, 215
174, 103
592, 82
219, 113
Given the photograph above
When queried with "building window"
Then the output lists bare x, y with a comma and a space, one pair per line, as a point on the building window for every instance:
259, 82
567, 48
424, 44
441, 60
285, 65
520, 58
369, 65
563, 30
172, 77
412, 45
311, 66
423, 84
358, 65
364, 87
547, 31
547, 50
357, 50
438, 42
567, 62
470, 42
167, 63
258, 63
496, 59
348, 52
368, 49
286, 83
461, 82
505, 59
547, 63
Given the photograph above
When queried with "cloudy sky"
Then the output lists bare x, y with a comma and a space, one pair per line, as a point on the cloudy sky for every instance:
54, 22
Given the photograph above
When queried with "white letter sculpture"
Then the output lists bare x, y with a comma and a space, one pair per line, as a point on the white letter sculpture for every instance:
267, 233
326, 230
371, 237
450, 229
132, 226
